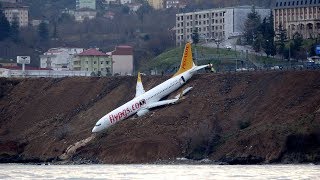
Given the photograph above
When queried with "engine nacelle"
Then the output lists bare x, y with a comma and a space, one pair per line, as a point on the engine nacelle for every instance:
142, 112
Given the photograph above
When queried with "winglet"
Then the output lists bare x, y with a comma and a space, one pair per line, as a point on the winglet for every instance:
187, 61
139, 77
139, 88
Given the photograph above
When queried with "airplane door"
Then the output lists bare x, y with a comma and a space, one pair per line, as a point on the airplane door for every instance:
182, 80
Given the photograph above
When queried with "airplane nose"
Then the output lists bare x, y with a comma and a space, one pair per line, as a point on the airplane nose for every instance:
95, 129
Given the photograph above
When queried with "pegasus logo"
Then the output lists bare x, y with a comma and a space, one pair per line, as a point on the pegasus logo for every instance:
184, 62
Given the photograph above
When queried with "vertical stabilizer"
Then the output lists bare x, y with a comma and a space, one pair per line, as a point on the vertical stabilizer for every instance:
187, 61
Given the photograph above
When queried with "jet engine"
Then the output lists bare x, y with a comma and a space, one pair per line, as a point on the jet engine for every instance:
142, 112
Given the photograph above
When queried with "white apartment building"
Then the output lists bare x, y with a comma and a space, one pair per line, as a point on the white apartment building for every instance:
122, 58
11, 1
59, 58
19, 13
221, 23
156, 4
91, 4
81, 14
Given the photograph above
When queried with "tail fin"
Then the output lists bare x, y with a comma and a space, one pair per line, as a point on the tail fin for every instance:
187, 61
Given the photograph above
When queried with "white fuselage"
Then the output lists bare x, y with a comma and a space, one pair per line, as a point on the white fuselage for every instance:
141, 102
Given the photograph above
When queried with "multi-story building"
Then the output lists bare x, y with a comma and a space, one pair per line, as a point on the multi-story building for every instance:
174, 4
156, 4
91, 4
59, 58
298, 16
122, 58
221, 23
11, 1
85, 13
93, 60
17, 12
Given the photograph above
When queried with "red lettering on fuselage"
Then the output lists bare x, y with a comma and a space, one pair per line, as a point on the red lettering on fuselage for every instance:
125, 113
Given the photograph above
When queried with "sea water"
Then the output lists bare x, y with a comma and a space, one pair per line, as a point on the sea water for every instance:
146, 171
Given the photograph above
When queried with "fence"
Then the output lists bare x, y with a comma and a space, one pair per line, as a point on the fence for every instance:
41, 73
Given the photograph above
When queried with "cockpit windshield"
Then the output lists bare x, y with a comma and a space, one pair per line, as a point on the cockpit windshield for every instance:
98, 125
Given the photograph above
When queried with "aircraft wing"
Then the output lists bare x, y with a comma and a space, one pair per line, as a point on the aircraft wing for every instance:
139, 88
169, 101
162, 103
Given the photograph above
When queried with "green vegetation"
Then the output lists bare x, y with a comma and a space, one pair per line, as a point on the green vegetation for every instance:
171, 59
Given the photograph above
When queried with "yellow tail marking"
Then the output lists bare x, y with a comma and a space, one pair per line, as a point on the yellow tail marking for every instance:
139, 77
187, 61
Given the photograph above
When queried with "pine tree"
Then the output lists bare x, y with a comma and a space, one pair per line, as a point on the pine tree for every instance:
267, 29
280, 40
15, 31
4, 26
195, 36
43, 31
251, 26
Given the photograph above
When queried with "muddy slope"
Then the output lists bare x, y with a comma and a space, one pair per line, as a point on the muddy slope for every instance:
242, 118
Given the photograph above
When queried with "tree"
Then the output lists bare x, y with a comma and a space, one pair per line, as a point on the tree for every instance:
15, 31
280, 40
195, 36
55, 32
267, 30
251, 26
4, 26
295, 48
43, 31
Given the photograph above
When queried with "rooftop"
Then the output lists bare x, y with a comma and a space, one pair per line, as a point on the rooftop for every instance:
92, 52
281, 4
123, 50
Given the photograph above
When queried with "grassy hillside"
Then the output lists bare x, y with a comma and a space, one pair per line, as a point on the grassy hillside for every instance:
220, 58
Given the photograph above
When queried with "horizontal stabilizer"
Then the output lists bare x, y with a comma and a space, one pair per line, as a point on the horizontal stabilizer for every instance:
183, 92
201, 67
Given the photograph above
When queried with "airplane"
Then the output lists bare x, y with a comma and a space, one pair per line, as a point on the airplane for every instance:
144, 101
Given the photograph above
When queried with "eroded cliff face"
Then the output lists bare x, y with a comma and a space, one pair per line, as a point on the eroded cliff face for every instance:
241, 118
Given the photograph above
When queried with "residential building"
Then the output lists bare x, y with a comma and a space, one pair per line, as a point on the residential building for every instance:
156, 4
125, 1
7, 63
91, 4
11, 1
107, 2
93, 60
220, 23
298, 16
37, 22
17, 12
174, 4
85, 13
59, 58
122, 58
134, 6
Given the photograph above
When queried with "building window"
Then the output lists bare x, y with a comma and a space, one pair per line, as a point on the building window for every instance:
94, 62
94, 69
102, 69
87, 62
101, 62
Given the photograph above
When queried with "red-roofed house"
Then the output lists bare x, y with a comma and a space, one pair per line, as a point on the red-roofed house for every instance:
94, 61
122, 58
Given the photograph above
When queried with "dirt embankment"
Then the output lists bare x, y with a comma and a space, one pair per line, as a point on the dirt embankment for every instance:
235, 118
